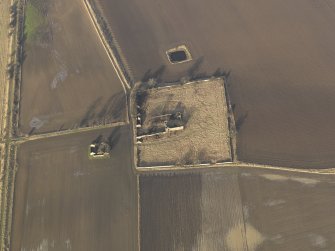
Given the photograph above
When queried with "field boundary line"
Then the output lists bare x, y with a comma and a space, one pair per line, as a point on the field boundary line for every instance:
9, 166
126, 67
138, 212
105, 44
231, 123
2, 173
7, 81
67, 132
237, 164
7, 195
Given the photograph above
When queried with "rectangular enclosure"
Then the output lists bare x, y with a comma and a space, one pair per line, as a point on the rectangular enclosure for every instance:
183, 124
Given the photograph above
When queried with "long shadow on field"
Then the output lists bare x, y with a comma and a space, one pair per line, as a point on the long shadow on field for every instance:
156, 75
219, 72
90, 113
98, 139
193, 71
22, 55
114, 137
241, 120
114, 107
102, 113
32, 130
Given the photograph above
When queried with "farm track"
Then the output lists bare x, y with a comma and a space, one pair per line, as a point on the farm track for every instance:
8, 149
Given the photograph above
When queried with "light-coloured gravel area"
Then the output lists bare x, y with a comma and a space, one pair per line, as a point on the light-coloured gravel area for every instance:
205, 138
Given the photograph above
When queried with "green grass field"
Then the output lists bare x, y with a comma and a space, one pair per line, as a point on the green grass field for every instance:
33, 21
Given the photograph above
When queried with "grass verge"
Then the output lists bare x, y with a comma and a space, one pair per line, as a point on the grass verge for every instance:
33, 20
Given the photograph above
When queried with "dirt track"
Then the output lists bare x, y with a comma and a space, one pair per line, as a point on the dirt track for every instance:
4, 55
68, 80
280, 55
237, 210
64, 201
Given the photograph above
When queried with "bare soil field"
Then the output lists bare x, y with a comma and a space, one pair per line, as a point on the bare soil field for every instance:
293, 212
279, 56
68, 80
170, 212
205, 137
237, 210
64, 201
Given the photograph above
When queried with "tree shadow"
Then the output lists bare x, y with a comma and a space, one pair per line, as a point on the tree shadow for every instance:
141, 100
233, 107
113, 107
119, 106
114, 137
192, 72
241, 120
189, 158
98, 139
21, 54
186, 114
90, 113
162, 108
156, 75
32, 130
61, 127
203, 156
219, 72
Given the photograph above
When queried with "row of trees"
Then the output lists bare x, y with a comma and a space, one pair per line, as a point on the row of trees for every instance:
110, 39
16, 58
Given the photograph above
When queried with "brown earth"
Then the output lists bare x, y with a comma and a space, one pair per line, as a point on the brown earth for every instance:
236, 209
292, 211
64, 201
279, 54
170, 212
68, 80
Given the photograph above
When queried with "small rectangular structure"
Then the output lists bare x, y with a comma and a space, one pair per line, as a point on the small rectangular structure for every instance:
183, 125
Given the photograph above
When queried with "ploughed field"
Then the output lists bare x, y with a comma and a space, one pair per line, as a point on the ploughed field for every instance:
65, 201
279, 56
68, 80
237, 209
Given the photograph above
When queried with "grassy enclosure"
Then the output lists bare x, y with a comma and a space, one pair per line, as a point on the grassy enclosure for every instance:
33, 21
203, 115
